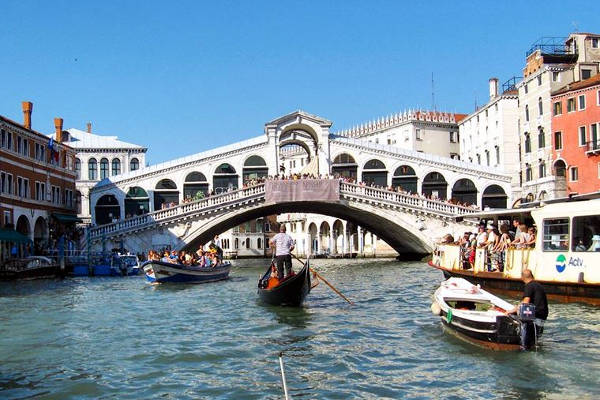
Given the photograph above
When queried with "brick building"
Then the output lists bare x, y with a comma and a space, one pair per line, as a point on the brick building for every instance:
37, 184
576, 135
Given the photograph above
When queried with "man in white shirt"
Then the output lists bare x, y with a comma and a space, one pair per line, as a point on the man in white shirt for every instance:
482, 236
283, 245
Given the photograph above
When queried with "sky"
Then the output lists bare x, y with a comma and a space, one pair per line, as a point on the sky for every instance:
181, 77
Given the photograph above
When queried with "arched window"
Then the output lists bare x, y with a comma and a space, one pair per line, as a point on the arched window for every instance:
92, 169
465, 191
78, 168
527, 142
435, 185
103, 168
526, 113
542, 169
494, 197
195, 186
225, 178
259, 243
134, 164
255, 167
540, 106
405, 178
344, 166
137, 202
116, 166
560, 168
165, 194
374, 172
247, 243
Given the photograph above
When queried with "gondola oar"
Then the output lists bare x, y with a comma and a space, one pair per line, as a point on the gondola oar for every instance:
325, 281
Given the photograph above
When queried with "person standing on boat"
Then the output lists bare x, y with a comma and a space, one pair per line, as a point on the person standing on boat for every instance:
533, 293
283, 244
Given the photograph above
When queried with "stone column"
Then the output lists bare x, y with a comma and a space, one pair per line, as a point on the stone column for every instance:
308, 245
332, 241
345, 233
151, 200
360, 239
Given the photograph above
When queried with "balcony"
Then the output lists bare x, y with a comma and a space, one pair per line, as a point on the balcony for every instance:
593, 147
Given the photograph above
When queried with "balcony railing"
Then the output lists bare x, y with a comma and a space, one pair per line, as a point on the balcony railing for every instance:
593, 147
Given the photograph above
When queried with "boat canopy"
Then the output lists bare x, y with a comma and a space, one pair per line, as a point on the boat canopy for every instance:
510, 212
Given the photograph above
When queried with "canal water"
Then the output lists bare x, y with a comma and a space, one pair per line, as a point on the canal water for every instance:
120, 338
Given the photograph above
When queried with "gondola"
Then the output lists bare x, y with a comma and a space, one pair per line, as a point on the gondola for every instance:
291, 292
160, 271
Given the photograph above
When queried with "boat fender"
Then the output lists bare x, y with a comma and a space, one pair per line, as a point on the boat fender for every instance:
436, 309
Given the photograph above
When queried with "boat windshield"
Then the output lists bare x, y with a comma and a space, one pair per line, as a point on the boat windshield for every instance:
470, 305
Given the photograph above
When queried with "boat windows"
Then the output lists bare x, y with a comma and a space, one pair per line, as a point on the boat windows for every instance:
469, 305
556, 234
586, 233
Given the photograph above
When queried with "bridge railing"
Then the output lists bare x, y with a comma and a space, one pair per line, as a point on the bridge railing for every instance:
176, 211
241, 195
405, 199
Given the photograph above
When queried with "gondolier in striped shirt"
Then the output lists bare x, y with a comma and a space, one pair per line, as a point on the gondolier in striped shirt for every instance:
283, 245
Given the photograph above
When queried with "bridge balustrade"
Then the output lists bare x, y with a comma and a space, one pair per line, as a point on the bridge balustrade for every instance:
257, 192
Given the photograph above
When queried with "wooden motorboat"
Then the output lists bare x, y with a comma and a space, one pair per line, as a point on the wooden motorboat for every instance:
33, 267
162, 271
291, 292
476, 316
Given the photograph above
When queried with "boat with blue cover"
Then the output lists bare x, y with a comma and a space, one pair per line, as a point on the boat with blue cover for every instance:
164, 271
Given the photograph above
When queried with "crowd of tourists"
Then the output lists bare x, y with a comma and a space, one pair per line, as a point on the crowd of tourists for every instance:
210, 255
495, 240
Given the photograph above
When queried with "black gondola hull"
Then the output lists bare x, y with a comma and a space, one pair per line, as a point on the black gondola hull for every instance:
290, 292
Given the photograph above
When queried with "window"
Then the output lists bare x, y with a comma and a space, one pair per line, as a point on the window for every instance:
542, 169
7, 218
598, 98
584, 229
582, 102
453, 137
497, 155
594, 137
19, 145
526, 90
116, 166
558, 108
103, 168
92, 169
40, 152
586, 74
557, 140
540, 106
571, 105
487, 157
479, 159
247, 243
419, 136
40, 191
595, 43
527, 143
528, 173
9, 188
2, 181
526, 113
574, 174
556, 234
134, 164
3, 138
555, 76
258, 243
26, 147
539, 79
541, 139
78, 168
582, 136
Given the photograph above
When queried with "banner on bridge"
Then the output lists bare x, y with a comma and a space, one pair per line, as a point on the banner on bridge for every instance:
302, 190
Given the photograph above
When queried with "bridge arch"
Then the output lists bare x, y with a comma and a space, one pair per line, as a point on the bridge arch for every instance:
344, 164
225, 178
403, 234
374, 171
406, 178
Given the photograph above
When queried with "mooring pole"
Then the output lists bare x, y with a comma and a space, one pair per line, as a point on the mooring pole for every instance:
285, 390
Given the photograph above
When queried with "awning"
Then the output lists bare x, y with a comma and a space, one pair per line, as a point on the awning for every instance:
66, 218
9, 235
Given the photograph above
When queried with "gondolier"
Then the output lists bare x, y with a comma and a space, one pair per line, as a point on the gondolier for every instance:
283, 244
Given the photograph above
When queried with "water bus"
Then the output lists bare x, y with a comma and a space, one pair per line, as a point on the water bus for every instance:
565, 258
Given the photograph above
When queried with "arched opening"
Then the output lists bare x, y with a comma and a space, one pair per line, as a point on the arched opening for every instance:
134, 164
78, 201
107, 209
464, 191
225, 178
494, 197
165, 194
23, 226
78, 167
375, 173
324, 234
345, 166
195, 186
405, 178
92, 169
103, 168
116, 166
435, 186
560, 168
338, 237
137, 202
529, 198
294, 157
255, 167
314, 238
543, 195
40, 232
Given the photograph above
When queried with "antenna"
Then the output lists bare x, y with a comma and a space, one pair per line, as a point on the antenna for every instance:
432, 93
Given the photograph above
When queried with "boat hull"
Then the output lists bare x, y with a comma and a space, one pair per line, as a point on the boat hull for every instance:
290, 292
560, 291
162, 272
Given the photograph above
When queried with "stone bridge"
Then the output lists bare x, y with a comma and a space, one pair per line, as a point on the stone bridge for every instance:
408, 223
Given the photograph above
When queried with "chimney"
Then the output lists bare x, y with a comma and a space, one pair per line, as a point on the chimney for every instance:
58, 125
493, 88
27, 109
89, 127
